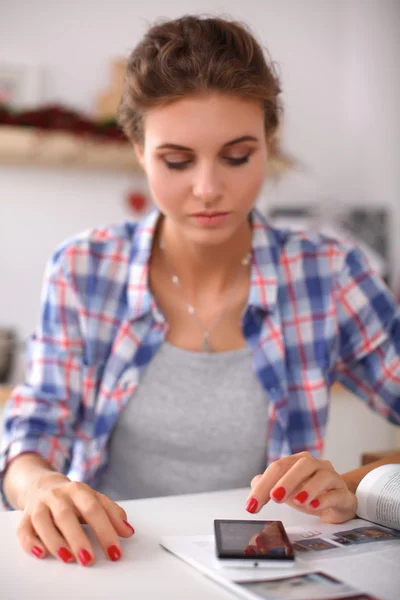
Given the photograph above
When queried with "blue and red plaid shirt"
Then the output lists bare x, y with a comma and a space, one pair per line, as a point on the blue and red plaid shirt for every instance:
316, 313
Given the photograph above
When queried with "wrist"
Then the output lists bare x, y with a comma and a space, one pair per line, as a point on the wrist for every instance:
351, 482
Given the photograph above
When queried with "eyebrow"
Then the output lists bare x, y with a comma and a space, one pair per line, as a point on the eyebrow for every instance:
244, 138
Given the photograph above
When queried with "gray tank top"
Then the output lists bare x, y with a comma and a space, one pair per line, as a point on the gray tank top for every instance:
197, 422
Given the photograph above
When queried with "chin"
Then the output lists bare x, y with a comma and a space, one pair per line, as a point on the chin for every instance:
212, 236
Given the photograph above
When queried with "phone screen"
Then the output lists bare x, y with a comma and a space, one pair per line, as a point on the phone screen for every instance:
264, 540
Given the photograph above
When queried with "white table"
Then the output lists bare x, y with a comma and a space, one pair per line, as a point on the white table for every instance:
147, 571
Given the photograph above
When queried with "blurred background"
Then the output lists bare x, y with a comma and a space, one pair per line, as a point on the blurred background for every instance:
64, 165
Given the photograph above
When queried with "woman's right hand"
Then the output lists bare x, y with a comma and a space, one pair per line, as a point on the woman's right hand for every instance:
54, 512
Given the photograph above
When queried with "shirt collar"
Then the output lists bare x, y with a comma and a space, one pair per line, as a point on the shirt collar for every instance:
264, 270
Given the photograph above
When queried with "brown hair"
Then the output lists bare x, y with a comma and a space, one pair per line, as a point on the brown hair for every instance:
193, 55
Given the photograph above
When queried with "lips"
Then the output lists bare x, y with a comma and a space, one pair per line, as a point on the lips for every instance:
210, 215
211, 219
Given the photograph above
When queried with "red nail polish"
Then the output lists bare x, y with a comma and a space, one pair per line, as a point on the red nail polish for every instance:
279, 493
301, 497
38, 552
85, 557
252, 505
114, 553
65, 555
315, 503
130, 526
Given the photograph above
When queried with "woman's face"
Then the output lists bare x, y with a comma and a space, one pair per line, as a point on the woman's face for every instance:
205, 159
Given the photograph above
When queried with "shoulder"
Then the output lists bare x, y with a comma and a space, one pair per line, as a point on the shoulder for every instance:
90, 251
311, 251
104, 252
97, 242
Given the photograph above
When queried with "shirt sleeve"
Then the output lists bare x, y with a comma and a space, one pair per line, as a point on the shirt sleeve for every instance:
368, 336
40, 415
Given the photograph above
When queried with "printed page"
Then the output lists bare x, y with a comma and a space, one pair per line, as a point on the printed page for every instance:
378, 496
312, 586
326, 548
269, 583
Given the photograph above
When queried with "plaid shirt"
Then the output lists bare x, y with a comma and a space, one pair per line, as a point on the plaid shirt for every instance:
316, 313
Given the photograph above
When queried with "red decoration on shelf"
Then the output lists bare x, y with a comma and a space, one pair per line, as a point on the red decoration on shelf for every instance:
137, 202
56, 117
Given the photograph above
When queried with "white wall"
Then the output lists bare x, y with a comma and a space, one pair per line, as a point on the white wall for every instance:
371, 100
75, 44
341, 91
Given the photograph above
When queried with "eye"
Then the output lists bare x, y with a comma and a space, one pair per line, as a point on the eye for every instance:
232, 161
182, 164
235, 162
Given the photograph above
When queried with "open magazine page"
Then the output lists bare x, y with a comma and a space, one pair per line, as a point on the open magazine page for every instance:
378, 496
326, 548
312, 586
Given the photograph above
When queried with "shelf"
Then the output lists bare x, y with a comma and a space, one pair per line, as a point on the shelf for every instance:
30, 146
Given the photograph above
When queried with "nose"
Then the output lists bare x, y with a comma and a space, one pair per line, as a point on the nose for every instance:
207, 184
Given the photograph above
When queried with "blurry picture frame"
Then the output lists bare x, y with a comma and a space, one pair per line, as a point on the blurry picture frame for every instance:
21, 85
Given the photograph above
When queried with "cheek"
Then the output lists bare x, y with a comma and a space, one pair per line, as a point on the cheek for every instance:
168, 189
247, 183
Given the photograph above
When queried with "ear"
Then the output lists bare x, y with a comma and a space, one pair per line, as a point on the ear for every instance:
139, 154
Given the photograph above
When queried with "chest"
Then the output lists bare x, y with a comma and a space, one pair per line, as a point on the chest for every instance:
213, 317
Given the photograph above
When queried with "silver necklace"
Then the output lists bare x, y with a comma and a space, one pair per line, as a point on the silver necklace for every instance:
190, 308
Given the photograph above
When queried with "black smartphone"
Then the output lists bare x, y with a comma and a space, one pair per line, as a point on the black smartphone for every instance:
252, 543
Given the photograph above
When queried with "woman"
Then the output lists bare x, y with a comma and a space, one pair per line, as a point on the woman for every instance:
193, 351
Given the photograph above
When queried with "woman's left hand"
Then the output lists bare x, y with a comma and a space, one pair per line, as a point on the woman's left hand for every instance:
306, 483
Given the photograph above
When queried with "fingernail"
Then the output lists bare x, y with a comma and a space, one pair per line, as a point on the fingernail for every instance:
252, 505
114, 553
65, 555
85, 557
38, 552
249, 550
279, 494
130, 526
301, 497
315, 503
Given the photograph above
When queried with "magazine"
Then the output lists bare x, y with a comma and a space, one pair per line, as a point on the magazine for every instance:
333, 561
353, 554
378, 496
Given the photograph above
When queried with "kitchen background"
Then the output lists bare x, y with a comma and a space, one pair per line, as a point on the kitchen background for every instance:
341, 88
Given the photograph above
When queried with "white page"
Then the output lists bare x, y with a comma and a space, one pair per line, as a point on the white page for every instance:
378, 496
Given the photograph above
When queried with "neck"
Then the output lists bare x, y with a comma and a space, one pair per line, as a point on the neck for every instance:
201, 266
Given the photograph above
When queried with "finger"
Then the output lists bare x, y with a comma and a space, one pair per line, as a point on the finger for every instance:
262, 543
313, 487
295, 477
260, 493
65, 519
29, 540
92, 510
117, 516
46, 530
251, 550
254, 481
334, 506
